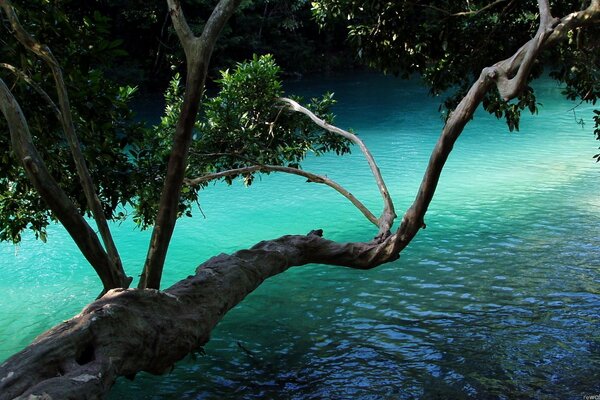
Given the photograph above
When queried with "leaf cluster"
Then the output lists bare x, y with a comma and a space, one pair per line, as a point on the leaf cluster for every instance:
101, 113
243, 125
448, 43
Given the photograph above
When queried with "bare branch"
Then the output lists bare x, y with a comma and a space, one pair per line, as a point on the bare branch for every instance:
87, 183
388, 215
464, 13
184, 33
289, 170
22, 75
218, 18
511, 84
545, 13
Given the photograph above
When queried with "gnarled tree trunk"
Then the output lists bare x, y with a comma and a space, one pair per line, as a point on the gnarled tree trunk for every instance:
132, 330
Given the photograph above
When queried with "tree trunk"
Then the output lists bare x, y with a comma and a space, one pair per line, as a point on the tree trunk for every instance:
198, 51
133, 330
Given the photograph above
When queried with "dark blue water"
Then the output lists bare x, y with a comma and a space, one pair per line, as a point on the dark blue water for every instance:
498, 298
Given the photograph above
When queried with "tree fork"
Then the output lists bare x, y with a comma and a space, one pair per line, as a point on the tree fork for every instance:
198, 51
60, 204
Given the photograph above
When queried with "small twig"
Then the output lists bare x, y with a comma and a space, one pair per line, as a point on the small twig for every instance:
388, 215
463, 13
22, 75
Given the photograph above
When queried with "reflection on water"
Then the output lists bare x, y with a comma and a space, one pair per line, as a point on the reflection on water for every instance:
497, 298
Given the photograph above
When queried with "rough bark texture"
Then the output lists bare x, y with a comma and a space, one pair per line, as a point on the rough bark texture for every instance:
132, 330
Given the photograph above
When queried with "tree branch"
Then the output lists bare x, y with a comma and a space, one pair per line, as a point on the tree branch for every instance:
510, 84
198, 57
464, 13
413, 219
128, 331
289, 170
53, 195
184, 33
66, 119
22, 75
388, 215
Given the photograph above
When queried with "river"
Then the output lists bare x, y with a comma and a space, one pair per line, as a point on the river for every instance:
497, 298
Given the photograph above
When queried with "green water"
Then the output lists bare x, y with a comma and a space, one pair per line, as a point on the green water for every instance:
497, 298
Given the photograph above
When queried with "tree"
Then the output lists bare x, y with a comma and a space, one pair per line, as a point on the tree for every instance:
132, 330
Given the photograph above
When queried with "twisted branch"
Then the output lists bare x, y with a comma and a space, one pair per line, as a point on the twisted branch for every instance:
388, 215
519, 66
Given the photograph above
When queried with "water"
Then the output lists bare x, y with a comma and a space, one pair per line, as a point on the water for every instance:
497, 298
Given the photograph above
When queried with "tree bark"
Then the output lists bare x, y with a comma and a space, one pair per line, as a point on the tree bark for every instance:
132, 330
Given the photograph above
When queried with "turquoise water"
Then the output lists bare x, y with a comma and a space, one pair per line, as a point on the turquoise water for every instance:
497, 298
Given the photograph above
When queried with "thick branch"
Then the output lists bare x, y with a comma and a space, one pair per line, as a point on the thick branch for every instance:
53, 195
295, 171
128, 331
198, 58
66, 119
388, 215
509, 83
413, 219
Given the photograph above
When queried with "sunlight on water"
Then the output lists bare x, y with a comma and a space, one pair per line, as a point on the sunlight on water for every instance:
497, 298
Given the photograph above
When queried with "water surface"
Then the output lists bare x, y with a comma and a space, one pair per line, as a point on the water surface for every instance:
497, 298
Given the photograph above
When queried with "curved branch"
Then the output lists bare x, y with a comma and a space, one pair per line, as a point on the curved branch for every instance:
413, 219
294, 171
510, 84
184, 33
66, 119
388, 215
60, 204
